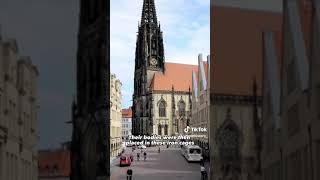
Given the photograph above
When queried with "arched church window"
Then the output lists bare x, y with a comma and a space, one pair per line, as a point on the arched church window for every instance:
162, 109
159, 129
166, 129
228, 139
182, 108
153, 43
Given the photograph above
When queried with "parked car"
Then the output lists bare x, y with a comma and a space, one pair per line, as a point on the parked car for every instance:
142, 147
125, 160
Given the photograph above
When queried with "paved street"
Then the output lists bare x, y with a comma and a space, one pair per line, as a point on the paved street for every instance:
168, 165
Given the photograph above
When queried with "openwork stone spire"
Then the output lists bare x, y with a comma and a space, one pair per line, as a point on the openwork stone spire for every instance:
149, 14
149, 45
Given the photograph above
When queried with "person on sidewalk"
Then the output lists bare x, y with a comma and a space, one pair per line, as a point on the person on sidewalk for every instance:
203, 171
145, 156
138, 156
129, 174
158, 149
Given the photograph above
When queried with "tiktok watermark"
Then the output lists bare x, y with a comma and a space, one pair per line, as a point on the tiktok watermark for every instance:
189, 129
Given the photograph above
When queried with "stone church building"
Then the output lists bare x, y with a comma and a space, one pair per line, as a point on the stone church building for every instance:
162, 90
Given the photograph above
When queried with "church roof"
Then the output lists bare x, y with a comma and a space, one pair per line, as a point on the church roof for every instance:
177, 75
54, 163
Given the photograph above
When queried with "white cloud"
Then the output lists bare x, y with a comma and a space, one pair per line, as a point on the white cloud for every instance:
186, 30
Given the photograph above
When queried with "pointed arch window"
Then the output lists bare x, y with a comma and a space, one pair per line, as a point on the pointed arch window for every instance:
159, 130
162, 109
182, 108
166, 129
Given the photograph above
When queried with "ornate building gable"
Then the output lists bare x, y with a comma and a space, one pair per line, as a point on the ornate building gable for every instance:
208, 69
271, 80
270, 143
296, 62
166, 118
202, 74
200, 78
229, 140
194, 87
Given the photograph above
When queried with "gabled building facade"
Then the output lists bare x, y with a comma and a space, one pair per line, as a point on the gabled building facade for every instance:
201, 102
126, 123
171, 99
271, 137
18, 114
236, 87
115, 116
291, 151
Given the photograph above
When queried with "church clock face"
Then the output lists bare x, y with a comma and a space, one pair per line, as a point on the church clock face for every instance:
153, 62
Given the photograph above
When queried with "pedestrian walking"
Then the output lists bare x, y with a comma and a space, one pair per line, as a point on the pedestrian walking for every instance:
129, 174
138, 156
145, 156
203, 172
159, 150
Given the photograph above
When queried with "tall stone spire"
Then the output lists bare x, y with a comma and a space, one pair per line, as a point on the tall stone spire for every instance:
149, 45
149, 14
149, 59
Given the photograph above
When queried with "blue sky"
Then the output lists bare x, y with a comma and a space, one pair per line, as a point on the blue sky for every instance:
186, 31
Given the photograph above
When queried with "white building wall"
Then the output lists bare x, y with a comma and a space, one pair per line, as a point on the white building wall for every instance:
18, 115
115, 116
126, 127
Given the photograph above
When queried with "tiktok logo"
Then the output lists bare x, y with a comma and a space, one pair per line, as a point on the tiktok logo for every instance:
193, 129
186, 130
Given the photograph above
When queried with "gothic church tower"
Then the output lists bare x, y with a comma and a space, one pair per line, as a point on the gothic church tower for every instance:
149, 58
90, 111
